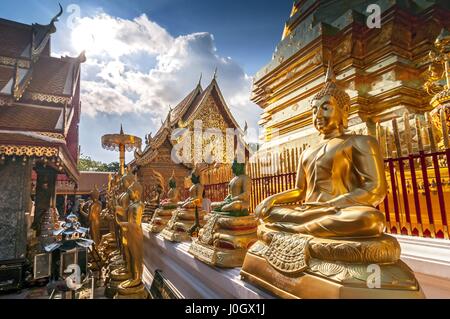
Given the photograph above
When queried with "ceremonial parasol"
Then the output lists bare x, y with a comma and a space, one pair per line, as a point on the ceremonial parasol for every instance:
121, 142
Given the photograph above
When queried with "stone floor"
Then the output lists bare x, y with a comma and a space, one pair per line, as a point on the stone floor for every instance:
433, 287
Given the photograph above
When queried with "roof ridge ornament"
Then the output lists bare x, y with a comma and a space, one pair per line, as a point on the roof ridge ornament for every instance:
56, 19
215, 74
200, 79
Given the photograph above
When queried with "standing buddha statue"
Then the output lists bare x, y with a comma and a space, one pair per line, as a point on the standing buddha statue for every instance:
163, 214
229, 229
94, 216
133, 288
184, 217
325, 247
119, 263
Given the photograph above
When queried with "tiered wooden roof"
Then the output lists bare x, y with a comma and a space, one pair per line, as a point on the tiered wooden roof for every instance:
188, 110
39, 96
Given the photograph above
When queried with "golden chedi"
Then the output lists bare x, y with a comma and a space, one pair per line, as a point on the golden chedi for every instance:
163, 214
179, 227
132, 231
333, 245
229, 229
118, 266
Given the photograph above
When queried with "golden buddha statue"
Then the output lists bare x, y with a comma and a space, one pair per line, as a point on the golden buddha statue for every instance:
229, 229
119, 262
109, 242
325, 247
133, 287
163, 214
95, 209
184, 217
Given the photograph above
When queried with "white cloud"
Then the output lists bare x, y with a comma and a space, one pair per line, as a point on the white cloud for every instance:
163, 69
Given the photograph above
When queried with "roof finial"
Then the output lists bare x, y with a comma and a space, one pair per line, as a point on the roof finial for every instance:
200, 79
215, 74
55, 19
121, 128
330, 76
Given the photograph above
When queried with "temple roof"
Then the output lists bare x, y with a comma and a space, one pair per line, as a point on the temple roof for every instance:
53, 76
17, 117
185, 112
15, 38
39, 100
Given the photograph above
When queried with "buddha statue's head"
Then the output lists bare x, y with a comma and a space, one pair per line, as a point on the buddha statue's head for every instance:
330, 107
127, 180
195, 179
238, 168
135, 191
172, 181
95, 194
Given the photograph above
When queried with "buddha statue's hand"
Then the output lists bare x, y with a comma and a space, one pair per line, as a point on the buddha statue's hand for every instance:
263, 209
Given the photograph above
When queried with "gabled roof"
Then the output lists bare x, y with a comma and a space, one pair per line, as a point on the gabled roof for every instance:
27, 71
15, 38
53, 76
213, 90
18, 117
183, 113
39, 102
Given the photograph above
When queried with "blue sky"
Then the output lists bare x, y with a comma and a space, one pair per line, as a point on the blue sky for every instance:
146, 55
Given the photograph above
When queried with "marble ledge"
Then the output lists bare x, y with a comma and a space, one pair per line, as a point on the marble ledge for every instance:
193, 278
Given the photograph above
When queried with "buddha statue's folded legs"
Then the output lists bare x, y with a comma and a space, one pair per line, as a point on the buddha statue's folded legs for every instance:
355, 221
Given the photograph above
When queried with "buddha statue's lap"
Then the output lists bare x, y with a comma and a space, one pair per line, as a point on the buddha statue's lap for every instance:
340, 182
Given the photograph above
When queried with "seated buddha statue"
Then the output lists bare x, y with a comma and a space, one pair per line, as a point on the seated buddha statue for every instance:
151, 205
188, 213
337, 231
133, 287
164, 212
108, 242
229, 229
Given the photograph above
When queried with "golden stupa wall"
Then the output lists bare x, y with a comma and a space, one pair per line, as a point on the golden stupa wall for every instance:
381, 69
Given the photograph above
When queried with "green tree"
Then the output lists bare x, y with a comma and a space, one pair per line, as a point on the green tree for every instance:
86, 163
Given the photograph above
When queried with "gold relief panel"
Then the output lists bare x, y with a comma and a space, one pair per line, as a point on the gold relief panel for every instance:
24, 150
47, 98
12, 62
53, 135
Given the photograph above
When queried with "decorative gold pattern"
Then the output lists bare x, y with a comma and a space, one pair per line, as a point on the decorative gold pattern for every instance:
12, 62
48, 98
288, 253
52, 135
23, 150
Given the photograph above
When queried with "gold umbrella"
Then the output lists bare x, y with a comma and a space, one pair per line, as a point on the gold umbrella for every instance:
121, 142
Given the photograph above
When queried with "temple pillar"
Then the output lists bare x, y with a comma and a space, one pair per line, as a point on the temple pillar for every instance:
45, 193
15, 200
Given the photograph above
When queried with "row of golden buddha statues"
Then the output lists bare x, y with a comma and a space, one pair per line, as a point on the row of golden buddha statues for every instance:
332, 245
